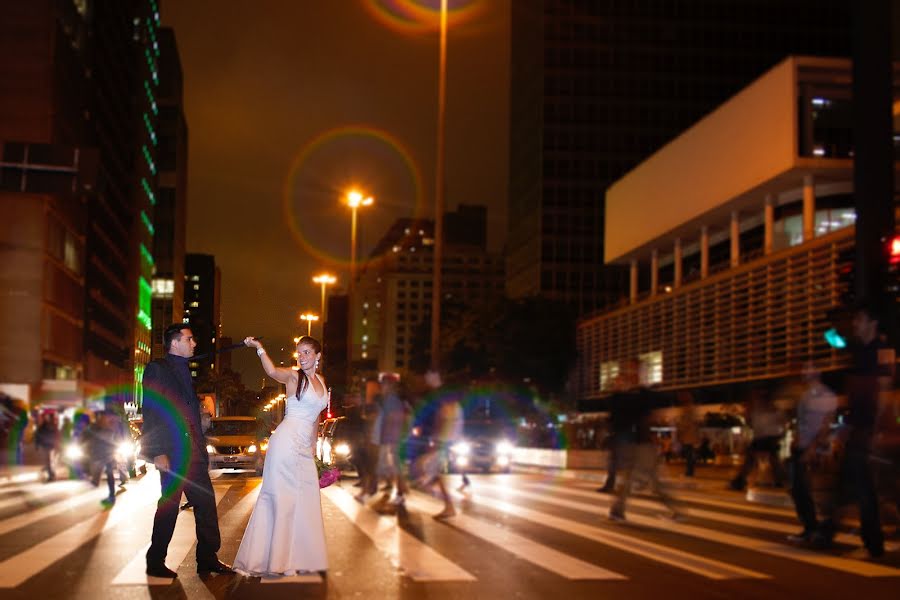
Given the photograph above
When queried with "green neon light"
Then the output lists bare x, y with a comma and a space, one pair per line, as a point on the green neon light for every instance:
147, 222
149, 191
147, 257
147, 157
145, 298
150, 129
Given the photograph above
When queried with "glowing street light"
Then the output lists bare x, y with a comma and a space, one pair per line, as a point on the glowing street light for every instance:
324, 280
309, 318
355, 199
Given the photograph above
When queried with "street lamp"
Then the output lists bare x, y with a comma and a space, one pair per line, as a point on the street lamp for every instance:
324, 280
355, 199
309, 318
438, 255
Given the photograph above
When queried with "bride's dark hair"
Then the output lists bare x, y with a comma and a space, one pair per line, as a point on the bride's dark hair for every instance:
302, 379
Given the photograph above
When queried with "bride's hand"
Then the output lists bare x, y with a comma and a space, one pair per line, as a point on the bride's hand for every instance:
252, 341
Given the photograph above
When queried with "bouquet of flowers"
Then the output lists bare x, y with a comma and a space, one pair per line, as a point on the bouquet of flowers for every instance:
327, 473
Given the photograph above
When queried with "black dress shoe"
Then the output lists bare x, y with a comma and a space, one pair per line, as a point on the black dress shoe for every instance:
214, 567
161, 570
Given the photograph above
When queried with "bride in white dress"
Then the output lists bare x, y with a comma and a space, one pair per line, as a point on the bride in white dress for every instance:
286, 535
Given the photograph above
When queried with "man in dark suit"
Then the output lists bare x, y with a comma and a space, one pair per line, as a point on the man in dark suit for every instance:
173, 439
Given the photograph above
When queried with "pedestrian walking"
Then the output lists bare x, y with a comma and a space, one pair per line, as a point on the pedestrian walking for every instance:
46, 440
446, 429
814, 413
640, 460
395, 414
622, 422
100, 440
688, 431
869, 373
767, 423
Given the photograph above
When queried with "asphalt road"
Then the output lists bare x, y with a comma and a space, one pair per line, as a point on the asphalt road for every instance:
523, 535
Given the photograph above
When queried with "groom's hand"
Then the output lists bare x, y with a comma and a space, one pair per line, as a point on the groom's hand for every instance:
161, 462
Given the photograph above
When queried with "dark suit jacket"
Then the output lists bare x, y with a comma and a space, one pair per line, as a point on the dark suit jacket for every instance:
171, 416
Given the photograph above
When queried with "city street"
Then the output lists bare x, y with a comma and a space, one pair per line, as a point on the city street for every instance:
525, 535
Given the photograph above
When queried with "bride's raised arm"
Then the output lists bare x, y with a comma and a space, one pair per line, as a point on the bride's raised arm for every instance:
279, 374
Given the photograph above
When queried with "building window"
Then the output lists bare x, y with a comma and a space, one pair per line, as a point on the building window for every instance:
609, 371
651, 367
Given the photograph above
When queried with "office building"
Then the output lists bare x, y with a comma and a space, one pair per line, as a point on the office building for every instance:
202, 297
78, 181
597, 87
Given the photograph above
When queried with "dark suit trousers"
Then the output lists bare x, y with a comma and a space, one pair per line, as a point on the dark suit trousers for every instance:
801, 491
199, 491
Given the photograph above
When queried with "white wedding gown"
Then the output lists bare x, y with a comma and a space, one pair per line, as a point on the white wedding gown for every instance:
286, 535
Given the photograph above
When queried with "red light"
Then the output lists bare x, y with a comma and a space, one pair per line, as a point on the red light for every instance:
327, 415
894, 254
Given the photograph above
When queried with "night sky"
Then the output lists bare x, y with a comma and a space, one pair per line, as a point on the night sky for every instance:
290, 103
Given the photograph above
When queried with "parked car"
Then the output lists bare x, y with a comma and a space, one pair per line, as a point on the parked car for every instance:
237, 443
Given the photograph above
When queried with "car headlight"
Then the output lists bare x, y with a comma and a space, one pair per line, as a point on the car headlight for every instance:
461, 448
462, 461
210, 449
251, 449
264, 445
326, 452
125, 450
342, 449
504, 447
74, 452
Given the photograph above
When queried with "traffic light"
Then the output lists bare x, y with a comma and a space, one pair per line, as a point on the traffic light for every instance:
845, 266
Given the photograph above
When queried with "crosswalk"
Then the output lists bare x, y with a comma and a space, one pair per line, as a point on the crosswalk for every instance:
525, 527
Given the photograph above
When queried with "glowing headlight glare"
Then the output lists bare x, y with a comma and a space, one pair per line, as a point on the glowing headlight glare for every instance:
263, 446
461, 448
342, 449
74, 452
504, 447
326, 452
125, 449
462, 461
251, 449
210, 449
503, 461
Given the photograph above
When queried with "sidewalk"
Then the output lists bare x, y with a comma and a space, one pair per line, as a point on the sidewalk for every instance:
706, 478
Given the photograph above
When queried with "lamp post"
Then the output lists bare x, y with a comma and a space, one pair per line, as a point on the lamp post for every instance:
438, 255
355, 199
324, 280
309, 318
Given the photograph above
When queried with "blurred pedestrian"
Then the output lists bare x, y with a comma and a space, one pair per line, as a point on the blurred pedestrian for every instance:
100, 440
815, 411
446, 430
622, 422
767, 423
395, 413
46, 440
688, 431
640, 459
368, 459
869, 373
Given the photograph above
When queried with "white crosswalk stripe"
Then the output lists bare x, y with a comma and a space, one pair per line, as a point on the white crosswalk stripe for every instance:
514, 520
705, 567
88, 494
723, 517
21, 567
526, 549
740, 541
182, 541
411, 556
